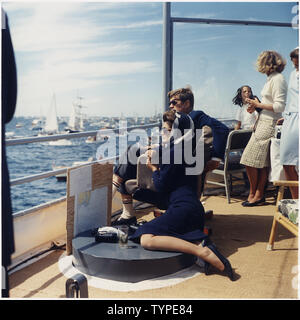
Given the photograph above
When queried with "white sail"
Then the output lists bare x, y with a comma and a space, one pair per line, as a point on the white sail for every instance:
72, 120
51, 125
81, 124
76, 121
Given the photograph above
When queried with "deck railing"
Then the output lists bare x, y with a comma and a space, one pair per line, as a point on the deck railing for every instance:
13, 142
43, 175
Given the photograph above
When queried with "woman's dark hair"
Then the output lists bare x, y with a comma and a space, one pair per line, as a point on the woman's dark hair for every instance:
238, 97
294, 53
169, 116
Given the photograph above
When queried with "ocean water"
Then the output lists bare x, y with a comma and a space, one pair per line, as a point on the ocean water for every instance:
33, 158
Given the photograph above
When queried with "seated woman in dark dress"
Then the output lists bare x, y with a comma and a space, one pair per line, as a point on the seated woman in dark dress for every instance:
180, 228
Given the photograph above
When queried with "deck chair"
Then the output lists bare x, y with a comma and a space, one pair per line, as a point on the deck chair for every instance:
286, 212
236, 142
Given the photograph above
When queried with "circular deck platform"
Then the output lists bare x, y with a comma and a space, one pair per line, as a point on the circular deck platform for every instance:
132, 264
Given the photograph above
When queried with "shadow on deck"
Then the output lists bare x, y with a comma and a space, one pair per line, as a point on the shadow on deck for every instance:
240, 233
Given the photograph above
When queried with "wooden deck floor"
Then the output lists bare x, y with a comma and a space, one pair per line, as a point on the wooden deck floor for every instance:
240, 233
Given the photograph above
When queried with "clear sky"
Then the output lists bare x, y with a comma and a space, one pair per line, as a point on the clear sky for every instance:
110, 54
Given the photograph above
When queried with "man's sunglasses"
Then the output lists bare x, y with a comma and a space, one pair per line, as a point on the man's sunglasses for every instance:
174, 102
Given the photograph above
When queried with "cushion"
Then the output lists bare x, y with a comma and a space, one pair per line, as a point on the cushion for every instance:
289, 208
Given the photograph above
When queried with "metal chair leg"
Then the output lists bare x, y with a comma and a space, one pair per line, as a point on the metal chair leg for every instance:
227, 186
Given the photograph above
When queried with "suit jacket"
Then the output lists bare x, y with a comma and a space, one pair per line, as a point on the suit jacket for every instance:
219, 131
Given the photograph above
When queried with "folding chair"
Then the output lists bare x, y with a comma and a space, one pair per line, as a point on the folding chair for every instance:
286, 212
236, 142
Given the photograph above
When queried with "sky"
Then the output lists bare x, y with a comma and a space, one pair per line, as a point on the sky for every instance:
110, 54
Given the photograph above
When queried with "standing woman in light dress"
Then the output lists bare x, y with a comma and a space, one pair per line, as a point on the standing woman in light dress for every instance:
256, 156
289, 141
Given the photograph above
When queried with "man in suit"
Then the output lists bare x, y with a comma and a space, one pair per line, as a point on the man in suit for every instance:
181, 100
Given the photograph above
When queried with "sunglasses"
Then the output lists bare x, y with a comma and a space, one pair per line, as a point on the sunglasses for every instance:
174, 102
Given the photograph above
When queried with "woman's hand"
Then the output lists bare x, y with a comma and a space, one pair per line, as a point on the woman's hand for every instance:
151, 153
280, 121
252, 102
251, 109
152, 167
238, 125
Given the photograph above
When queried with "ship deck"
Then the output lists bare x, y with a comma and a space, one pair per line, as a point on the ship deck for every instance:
241, 234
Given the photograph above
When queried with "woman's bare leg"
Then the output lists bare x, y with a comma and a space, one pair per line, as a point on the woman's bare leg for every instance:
168, 243
291, 174
261, 183
252, 174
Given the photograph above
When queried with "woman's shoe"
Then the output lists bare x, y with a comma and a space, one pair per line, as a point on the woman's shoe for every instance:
245, 203
227, 266
206, 242
253, 204
206, 267
262, 200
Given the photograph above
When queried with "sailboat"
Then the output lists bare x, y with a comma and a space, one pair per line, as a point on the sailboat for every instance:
51, 125
38, 123
76, 118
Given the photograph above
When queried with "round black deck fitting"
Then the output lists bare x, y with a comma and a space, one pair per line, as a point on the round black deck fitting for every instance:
131, 264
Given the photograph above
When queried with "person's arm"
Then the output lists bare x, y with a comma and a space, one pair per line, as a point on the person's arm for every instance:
278, 87
238, 125
165, 175
253, 104
163, 178
219, 131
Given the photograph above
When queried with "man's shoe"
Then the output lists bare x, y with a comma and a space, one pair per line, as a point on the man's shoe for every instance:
209, 214
134, 226
122, 221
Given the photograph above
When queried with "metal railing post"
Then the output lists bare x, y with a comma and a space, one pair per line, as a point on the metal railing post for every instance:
167, 41
167, 54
